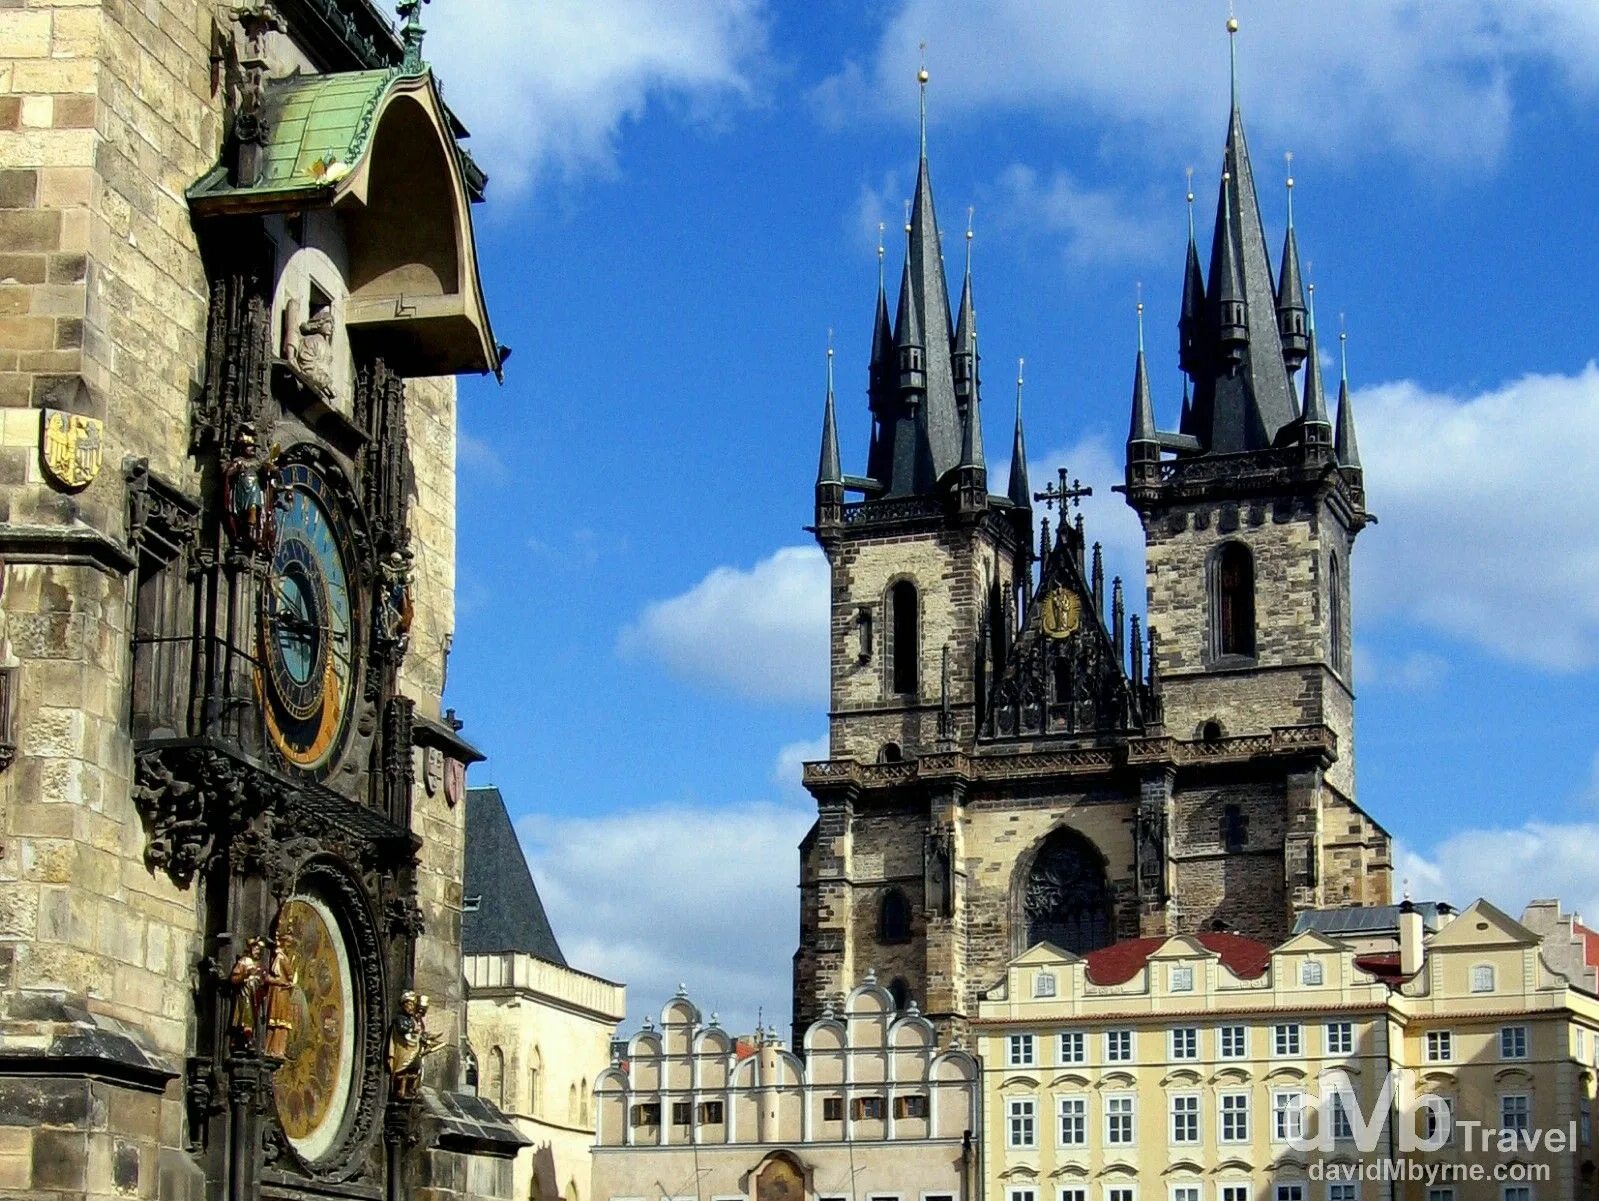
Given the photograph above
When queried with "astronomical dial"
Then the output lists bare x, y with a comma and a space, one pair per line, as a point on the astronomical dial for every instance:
308, 624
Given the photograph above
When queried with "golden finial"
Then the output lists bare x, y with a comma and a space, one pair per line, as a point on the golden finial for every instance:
881, 226
830, 360
921, 75
1310, 288
1020, 363
1139, 289
921, 81
1232, 24
1232, 51
907, 218
971, 212
1188, 173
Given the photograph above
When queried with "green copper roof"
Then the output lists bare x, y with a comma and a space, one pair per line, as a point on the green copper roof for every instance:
319, 126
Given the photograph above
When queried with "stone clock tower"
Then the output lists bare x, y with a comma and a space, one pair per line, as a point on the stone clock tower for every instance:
240, 269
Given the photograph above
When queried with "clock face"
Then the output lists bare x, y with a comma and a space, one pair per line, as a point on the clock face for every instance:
312, 1087
307, 624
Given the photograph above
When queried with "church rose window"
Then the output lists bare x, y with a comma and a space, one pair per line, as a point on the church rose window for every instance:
1066, 900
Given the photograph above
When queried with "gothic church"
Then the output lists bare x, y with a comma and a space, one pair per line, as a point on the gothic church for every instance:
1012, 758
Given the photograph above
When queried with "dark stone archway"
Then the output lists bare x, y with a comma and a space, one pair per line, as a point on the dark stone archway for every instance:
1065, 898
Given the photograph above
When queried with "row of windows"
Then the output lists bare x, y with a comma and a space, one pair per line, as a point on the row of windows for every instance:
713, 1113
1185, 1126
1183, 1044
1181, 978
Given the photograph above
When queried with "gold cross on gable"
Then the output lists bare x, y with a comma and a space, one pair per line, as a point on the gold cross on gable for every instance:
1063, 494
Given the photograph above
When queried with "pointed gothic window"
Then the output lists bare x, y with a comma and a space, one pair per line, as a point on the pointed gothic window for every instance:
493, 1086
1233, 601
1065, 897
1234, 828
907, 636
1335, 613
894, 917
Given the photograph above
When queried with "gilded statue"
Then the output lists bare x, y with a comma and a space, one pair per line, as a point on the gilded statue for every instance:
246, 980
277, 987
409, 1044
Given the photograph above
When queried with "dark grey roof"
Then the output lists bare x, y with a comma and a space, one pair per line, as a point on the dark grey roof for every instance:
1020, 492
1243, 410
502, 910
1347, 448
1363, 920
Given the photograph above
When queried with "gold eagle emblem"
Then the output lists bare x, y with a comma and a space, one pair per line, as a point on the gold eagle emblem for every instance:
71, 447
1062, 612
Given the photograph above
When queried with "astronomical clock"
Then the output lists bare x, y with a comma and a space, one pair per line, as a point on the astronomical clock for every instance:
274, 746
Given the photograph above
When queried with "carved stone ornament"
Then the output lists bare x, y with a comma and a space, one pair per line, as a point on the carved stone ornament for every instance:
191, 800
72, 447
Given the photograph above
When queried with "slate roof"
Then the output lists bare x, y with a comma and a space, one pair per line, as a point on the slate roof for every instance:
1356, 920
1120, 962
508, 914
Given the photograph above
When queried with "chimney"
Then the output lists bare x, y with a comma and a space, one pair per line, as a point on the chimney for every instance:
1410, 948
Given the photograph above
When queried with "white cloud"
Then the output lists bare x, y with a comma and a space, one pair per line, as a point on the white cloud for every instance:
681, 893
1355, 77
478, 461
546, 86
878, 204
790, 764
760, 632
1485, 506
1508, 866
1094, 225
1411, 671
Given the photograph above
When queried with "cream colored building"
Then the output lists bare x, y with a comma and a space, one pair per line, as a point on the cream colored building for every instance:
1186, 1069
870, 1108
539, 1029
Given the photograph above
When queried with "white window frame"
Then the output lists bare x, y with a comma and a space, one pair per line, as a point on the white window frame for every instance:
1112, 1100
1429, 1124
1281, 1032
1021, 1192
1338, 1116
1111, 1037
1195, 1187
1279, 1185
1080, 1040
1522, 1191
1312, 974
1477, 978
1440, 1046
1021, 1051
1195, 1113
1014, 1115
1112, 1189
1043, 984
1079, 1101
1345, 1044
1293, 1125
1071, 1192
1223, 1113
1182, 978
1352, 1185
1229, 1190
1221, 1041
1526, 1041
1191, 1034
1525, 1116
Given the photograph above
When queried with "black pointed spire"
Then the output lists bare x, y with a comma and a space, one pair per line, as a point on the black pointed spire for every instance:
1291, 316
828, 470
965, 348
1242, 397
1142, 428
1317, 426
1191, 322
1345, 447
882, 381
1020, 492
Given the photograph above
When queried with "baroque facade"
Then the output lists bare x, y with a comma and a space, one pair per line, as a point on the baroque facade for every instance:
540, 1030
868, 1107
1206, 1068
238, 271
1014, 755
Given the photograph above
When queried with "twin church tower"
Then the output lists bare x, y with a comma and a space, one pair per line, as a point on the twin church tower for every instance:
1012, 757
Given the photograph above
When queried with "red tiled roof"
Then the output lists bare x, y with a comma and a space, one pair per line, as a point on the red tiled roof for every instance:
1385, 966
1120, 962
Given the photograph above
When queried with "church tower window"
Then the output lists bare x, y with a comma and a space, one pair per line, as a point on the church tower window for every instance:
907, 636
1233, 601
1065, 896
894, 917
1335, 613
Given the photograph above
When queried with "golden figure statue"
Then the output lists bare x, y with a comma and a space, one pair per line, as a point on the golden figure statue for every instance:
277, 985
409, 1044
246, 979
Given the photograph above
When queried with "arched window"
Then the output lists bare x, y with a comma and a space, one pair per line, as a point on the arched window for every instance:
535, 1071
1335, 612
894, 917
1233, 601
470, 1069
890, 752
1065, 898
907, 636
583, 1103
571, 1104
900, 990
493, 1086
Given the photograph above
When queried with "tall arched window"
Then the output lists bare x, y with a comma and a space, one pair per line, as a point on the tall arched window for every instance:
1065, 897
1233, 601
493, 1086
1335, 612
583, 1103
571, 1104
907, 636
894, 917
535, 1072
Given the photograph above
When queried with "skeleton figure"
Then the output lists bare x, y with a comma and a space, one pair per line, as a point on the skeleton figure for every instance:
393, 625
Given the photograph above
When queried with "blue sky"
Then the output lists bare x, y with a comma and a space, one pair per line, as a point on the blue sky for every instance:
684, 199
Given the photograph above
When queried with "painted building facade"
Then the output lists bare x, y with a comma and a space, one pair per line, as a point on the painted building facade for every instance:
867, 1107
